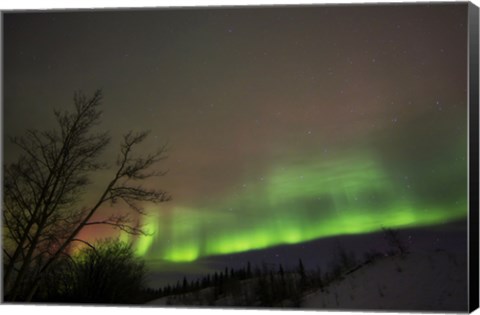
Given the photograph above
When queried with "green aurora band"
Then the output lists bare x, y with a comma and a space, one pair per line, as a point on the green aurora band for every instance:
296, 203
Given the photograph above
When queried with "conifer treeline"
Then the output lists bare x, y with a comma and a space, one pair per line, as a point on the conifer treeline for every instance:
270, 283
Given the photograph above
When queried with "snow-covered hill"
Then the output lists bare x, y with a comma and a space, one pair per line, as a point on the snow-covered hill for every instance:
418, 281
429, 281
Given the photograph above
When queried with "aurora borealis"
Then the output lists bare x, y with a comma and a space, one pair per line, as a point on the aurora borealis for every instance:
300, 204
284, 125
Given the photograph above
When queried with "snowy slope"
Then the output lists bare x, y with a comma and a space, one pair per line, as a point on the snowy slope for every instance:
428, 281
419, 281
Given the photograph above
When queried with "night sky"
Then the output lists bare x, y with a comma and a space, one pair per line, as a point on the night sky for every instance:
284, 125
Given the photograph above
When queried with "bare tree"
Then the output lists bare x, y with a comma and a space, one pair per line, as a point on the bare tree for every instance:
42, 210
393, 238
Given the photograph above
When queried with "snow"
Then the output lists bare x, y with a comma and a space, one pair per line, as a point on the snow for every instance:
419, 281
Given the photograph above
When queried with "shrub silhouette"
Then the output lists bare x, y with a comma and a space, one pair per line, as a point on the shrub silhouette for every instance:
108, 273
395, 241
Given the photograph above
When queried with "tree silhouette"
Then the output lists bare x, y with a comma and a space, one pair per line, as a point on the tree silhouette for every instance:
303, 276
43, 189
109, 272
393, 238
301, 269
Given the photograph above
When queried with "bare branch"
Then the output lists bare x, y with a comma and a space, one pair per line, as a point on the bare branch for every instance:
122, 222
42, 190
84, 242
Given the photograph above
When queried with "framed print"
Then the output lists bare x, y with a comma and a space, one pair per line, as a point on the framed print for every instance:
300, 157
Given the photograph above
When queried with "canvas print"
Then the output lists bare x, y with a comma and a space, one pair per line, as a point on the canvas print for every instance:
297, 157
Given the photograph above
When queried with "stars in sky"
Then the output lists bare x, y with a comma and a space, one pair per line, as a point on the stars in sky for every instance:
267, 110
